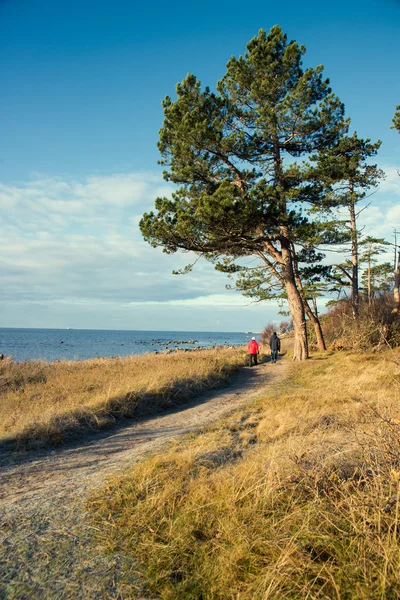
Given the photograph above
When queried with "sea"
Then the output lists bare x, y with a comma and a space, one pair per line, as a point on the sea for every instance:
79, 344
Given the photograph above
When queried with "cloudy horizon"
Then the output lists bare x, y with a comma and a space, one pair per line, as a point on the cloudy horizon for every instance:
80, 112
76, 258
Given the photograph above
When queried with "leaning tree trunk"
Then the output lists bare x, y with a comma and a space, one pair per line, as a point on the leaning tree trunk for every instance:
296, 306
300, 350
317, 326
313, 316
354, 294
394, 315
396, 293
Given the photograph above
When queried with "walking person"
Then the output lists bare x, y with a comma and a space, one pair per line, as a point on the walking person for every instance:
275, 345
253, 350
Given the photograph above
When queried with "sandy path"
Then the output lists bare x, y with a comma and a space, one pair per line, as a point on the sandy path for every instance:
48, 548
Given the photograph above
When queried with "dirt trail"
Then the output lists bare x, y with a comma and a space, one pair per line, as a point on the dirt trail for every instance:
48, 547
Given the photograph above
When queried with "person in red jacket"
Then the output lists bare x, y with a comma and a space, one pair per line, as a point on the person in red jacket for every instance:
253, 350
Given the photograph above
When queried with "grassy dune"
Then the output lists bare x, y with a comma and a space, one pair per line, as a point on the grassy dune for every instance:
49, 403
295, 497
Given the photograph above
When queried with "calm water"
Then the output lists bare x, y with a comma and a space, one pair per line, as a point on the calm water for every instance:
75, 344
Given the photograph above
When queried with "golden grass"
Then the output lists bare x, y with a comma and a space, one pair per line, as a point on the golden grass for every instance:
49, 403
297, 496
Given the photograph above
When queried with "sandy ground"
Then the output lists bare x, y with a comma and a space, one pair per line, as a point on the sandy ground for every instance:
48, 546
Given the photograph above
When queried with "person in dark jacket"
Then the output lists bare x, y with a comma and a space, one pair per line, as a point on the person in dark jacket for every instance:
253, 350
275, 345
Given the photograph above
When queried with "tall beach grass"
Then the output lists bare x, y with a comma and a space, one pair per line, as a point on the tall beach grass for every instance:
296, 496
44, 403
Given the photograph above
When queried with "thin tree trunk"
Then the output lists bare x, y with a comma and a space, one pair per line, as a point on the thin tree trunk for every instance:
369, 275
315, 307
396, 293
317, 327
369, 284
313, 316
296, 304
354, 295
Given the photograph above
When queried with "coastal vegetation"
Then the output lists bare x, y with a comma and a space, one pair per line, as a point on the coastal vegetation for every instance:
294, 496
269, 179
44, 403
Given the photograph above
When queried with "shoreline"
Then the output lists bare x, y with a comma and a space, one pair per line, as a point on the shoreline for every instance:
162, 352
49, 346
50, 403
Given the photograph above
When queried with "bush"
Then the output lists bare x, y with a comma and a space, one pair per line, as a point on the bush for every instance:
267, 332
283, 328
372, 330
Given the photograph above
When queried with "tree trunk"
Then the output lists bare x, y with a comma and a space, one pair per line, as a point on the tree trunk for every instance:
369, 276
354, 296
317, 326
300, 350
315, 307
313, 316
296, 305
369, 285
396, 293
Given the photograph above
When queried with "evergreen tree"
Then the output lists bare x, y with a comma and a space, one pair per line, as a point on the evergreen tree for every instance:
233, 154
396, 119
377, 280
375, 276
345, 168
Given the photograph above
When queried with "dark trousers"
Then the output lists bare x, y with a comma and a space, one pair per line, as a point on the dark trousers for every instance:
274, 355
253, 359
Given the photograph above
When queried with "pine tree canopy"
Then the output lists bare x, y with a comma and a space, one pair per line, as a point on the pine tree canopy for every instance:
396, 119
233, 154
346, 164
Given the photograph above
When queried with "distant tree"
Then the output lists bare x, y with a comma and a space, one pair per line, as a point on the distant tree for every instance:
375, 277
238, 194
396, 119
377, 280
310, 282
345, 167
285, 327
396, 291
266, 333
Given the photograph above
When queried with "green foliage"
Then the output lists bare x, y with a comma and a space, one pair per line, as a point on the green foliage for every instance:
396, 119
380, 274
226, 151
345, 167
381, 279
260, 282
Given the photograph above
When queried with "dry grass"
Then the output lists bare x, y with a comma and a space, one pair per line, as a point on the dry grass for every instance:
298, 497
50, 403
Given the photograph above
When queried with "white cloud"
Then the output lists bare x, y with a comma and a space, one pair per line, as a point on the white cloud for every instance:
69, 241
76, 244
393, 215
211, 300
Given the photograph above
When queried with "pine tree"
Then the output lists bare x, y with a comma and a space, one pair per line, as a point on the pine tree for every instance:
233, 154
396, 119
396, 289
375, 276
345, 167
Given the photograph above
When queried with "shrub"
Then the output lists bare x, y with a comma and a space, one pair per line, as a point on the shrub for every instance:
372, 330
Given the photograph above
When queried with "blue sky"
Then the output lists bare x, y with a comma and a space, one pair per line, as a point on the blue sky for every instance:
80, 109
